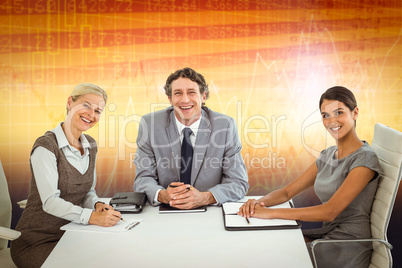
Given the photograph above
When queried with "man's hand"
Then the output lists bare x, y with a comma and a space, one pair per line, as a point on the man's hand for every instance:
191, 198
174, 188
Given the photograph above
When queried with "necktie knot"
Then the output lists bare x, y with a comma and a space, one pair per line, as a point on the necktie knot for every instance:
187, 132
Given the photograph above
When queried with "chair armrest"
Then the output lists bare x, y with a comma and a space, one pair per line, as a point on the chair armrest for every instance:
9, 234
320, 241
22, 203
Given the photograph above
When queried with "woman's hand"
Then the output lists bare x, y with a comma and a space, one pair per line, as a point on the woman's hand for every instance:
261, 212
99, 207
106, 217
247, 209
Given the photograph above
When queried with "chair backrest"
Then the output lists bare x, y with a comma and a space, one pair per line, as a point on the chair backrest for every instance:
5, 205
387, 144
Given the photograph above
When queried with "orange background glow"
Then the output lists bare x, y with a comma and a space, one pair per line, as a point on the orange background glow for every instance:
267, 63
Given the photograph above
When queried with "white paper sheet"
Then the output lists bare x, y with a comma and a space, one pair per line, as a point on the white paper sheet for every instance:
121, 226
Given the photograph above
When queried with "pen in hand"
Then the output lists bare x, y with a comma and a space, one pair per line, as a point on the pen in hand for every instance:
188, 188
248, 221
120, 218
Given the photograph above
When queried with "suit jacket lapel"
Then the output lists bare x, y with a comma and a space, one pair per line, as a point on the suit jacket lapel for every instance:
201, 145
174, 140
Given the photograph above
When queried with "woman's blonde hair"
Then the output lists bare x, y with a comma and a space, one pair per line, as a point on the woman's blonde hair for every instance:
87, 88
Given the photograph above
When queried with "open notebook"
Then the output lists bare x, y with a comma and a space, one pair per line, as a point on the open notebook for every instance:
234, 222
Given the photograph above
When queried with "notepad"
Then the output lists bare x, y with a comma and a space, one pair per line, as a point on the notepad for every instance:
234, 222
121, 226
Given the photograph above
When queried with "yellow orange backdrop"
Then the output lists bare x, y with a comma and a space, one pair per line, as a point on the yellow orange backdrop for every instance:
267, 63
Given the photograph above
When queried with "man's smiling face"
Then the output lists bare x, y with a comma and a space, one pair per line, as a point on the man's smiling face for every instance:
186, 100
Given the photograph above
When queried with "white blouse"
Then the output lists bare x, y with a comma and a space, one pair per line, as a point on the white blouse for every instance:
44, 167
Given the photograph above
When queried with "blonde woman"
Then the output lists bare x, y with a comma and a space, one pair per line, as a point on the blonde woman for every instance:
63, 180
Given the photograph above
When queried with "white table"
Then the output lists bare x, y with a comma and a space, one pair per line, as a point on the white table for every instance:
181, 240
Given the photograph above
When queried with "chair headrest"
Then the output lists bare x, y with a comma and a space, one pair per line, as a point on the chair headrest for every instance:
388, 138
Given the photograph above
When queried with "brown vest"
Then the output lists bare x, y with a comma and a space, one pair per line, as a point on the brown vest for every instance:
40, 230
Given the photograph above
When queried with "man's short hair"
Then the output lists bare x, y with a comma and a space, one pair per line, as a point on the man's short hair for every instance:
190, 74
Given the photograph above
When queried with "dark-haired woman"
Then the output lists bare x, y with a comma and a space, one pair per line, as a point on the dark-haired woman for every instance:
344, 178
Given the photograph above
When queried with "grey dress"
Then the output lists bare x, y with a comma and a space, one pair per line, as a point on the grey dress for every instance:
354, 221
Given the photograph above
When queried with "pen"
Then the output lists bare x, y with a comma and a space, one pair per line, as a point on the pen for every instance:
120, 218
174, 186
248, 221
132, 225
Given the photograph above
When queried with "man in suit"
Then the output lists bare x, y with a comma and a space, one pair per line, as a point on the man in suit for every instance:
188, 155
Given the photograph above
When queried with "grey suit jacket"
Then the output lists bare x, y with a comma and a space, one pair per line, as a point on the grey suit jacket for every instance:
217, 166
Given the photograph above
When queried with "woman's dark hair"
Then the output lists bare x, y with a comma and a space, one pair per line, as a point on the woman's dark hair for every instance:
341, 94
190, 74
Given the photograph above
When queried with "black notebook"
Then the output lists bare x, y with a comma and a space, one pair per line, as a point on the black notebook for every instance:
234, 222
130, 202
164, 208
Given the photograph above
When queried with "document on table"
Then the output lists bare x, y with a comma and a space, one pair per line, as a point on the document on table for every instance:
121, 226
234, 222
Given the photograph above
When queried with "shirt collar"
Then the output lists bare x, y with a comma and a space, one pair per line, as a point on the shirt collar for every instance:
194, 126
62, 139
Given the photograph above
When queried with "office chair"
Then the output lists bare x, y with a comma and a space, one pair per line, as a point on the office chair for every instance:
5, 220
387, 144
